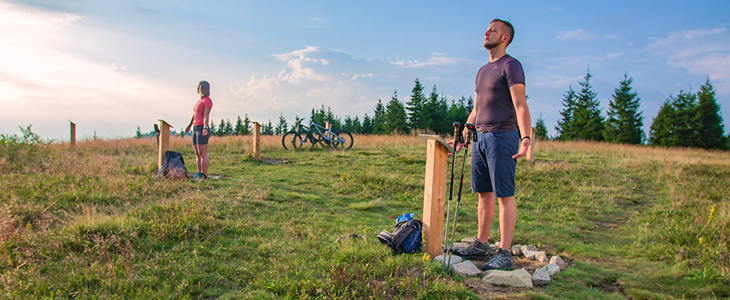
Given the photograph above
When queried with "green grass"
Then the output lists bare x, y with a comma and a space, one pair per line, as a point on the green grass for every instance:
92, 222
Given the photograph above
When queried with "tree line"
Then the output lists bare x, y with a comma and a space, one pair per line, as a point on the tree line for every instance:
685, 120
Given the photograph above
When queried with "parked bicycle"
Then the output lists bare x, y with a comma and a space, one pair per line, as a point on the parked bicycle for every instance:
316, 134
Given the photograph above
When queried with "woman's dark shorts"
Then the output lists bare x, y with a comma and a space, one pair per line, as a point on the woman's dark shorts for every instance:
198, 137
492, 165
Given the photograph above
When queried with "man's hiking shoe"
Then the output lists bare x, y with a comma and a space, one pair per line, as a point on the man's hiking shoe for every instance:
197, 175
500, 261
477, 250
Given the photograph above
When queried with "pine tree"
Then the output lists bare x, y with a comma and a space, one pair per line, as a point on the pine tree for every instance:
138, 134
441, 113
213, 128
229, 127
238, 130
367, 125
221, 128
395, 116
378, 119
246, 125
587, 114
625, 121
540, 129
565, 127
458, 110
268, 129
356, 125
662, 126
711, 129
281, 127
417, 118
348, 124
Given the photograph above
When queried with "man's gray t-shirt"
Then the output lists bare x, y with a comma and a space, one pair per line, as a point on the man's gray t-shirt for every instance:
496, 111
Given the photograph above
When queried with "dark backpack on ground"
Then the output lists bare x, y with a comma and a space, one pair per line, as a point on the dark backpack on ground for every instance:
407, 236
173, 166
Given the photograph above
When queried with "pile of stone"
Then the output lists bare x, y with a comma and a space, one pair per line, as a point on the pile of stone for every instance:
515, 278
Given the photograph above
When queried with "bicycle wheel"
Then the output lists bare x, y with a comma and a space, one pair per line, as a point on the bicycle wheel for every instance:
345, 140
293, 139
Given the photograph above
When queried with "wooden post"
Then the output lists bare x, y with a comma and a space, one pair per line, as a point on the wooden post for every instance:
327, 125
73, 133
164, 143
434, 193
531, 149
256, 140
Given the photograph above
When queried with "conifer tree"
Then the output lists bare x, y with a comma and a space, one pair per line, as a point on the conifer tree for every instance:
367, 125
565, 127
356, 125
417, 118
379, 118
660, 133
221, 128
625, 121
458, 110
238, 130
213, 128
395, 116
281, 127
229, 128
246, 125
587, 114
540, 129
348, 124
711, 129
138, 134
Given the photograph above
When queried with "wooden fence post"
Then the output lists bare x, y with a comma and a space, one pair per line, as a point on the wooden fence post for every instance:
73, 133
164, 143
531, 149
327, 125
256, 140
434, 193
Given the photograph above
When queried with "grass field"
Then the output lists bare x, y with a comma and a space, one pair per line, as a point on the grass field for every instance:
92, 222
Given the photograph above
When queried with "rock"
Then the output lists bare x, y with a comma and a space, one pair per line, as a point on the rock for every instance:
458, 245
468, 240
466, 269
528, 247
558, 261
552, 269
516, 251
454, 259
535, 255
517, 278
529, 254
540, 277
493, 247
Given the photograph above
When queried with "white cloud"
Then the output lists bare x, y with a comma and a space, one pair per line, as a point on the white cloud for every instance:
704, 52
434, 61
582, 35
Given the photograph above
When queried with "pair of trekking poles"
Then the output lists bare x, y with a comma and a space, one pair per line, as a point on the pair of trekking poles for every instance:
458, 139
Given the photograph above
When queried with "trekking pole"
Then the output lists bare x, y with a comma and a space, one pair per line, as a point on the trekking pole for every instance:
458, 139
470, 129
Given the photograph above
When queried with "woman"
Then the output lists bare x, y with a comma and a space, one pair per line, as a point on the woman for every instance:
201, 129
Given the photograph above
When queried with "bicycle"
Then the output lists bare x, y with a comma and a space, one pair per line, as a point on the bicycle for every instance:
316, 134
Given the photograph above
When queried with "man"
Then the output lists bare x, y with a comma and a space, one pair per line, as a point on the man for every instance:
499, 108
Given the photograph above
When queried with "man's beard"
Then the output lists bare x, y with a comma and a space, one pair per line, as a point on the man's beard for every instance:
493, 44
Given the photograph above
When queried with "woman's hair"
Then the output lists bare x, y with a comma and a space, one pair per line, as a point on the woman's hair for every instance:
204, 87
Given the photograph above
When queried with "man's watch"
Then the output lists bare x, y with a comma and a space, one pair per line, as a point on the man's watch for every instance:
526, 137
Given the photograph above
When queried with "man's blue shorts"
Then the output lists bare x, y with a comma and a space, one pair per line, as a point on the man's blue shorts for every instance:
492, 165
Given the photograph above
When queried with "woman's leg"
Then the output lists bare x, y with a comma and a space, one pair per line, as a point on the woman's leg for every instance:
203, 149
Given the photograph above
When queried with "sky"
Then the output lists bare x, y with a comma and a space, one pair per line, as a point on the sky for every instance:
111, 66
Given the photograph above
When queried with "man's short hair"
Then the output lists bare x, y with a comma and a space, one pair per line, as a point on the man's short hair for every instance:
510, 30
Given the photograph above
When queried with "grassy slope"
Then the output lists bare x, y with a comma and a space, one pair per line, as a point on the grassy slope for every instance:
90, 222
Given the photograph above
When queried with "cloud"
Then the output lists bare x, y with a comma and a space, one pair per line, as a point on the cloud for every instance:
434, 61
582, 35
703, 52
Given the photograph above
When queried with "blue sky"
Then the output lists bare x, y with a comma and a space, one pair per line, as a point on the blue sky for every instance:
111, 66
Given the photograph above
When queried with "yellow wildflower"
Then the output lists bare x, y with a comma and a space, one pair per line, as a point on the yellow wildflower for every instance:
701, 241
712, 213
426, 257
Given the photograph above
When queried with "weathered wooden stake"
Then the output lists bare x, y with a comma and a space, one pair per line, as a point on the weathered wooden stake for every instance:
73, 133
256, 140
164, 143
434, 194
531, 149
327, 125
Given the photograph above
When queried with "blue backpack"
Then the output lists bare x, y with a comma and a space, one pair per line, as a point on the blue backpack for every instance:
173, 166
407, 236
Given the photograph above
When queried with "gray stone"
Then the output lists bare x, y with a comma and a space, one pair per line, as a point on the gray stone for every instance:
529, 254
552, 269
558, 261
541, 256
454, 259
493, 247
466, 269
468, 240
528, 247
516, 251
517, 278
458, 245
497, 244
540, 277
